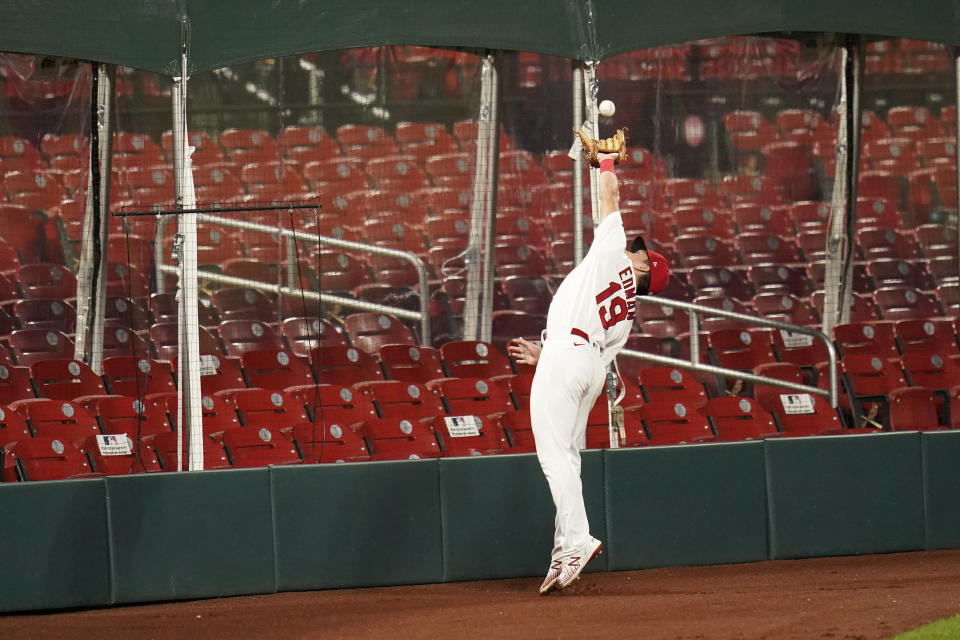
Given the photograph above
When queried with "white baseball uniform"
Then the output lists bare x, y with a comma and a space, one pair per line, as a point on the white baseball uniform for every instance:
588, 323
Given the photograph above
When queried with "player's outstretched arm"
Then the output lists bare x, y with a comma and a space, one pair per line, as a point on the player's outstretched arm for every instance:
524, 351
608, 188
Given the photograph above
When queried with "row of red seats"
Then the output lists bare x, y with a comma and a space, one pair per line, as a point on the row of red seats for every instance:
260, 366
41, 445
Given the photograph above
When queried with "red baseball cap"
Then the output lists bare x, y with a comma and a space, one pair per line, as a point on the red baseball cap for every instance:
659, 268
659, 272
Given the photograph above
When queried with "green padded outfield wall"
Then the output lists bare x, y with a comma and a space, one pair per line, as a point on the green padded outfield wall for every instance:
941, 483
191, 535
845, 495
54, 545
246, 531
498, 515
686, 505
354, 525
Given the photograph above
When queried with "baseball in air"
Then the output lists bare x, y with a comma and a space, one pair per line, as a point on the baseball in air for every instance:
607, 108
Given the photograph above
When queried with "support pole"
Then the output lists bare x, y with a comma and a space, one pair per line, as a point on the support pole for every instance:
479, 293
956, 74
577, 166
92, 272
838, 279
591, 88
188, 355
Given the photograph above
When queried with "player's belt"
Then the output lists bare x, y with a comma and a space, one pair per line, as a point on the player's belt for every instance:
578, 333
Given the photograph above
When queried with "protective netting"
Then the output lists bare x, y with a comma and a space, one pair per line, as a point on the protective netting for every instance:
304, 166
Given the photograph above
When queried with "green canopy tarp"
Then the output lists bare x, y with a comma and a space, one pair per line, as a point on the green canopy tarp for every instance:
148, 34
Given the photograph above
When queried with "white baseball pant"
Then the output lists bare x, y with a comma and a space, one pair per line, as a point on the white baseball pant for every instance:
565, 387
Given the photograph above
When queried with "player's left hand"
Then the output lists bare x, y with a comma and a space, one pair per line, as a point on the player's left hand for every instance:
524, 351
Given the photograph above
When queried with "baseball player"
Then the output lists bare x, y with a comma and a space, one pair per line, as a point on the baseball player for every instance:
587, 324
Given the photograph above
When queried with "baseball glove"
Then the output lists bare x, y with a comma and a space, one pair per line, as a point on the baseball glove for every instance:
592, 148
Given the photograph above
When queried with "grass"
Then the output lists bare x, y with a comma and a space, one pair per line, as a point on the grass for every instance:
946, 629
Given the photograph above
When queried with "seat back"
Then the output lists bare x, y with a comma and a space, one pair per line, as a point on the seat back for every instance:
60, 419
398, 438
472, 358
275, 369
259, 446
137, 377
329, 442
411, 363
47, 458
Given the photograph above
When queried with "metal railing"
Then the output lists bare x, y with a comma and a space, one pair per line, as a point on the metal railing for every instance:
292, 236
694, 364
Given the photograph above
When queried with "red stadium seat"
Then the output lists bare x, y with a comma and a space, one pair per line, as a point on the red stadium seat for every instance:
61, 419
931, 370
239, 303
43, 313
773, 278
517, 426
275, 369
344, 365
899, 303
259, 446
248, 335
62, 379
403, 399
410, 363
673, 422
266, 408
49, 281
329, 442
472, 396
470, 358
126, 415
121, 341
664, 383
469, 436
699, 250
164, 337
706, 221
708, 280
218, 415
13, 427
738, 418
917, 409
868, 380
790, 166
46, 458
219, 373
785, 308
141, 459
868, 338
507, 324
741, 349
803, 414
927, 336
137, 377
330, 403
214, 455
900, 273
765, 248
14, 384
877, 242
369, 331
304, 334
397, 438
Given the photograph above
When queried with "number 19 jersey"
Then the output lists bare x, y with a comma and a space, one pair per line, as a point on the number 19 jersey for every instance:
598, 296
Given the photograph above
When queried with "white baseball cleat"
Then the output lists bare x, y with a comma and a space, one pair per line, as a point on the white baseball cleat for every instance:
574, 564
553, 574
